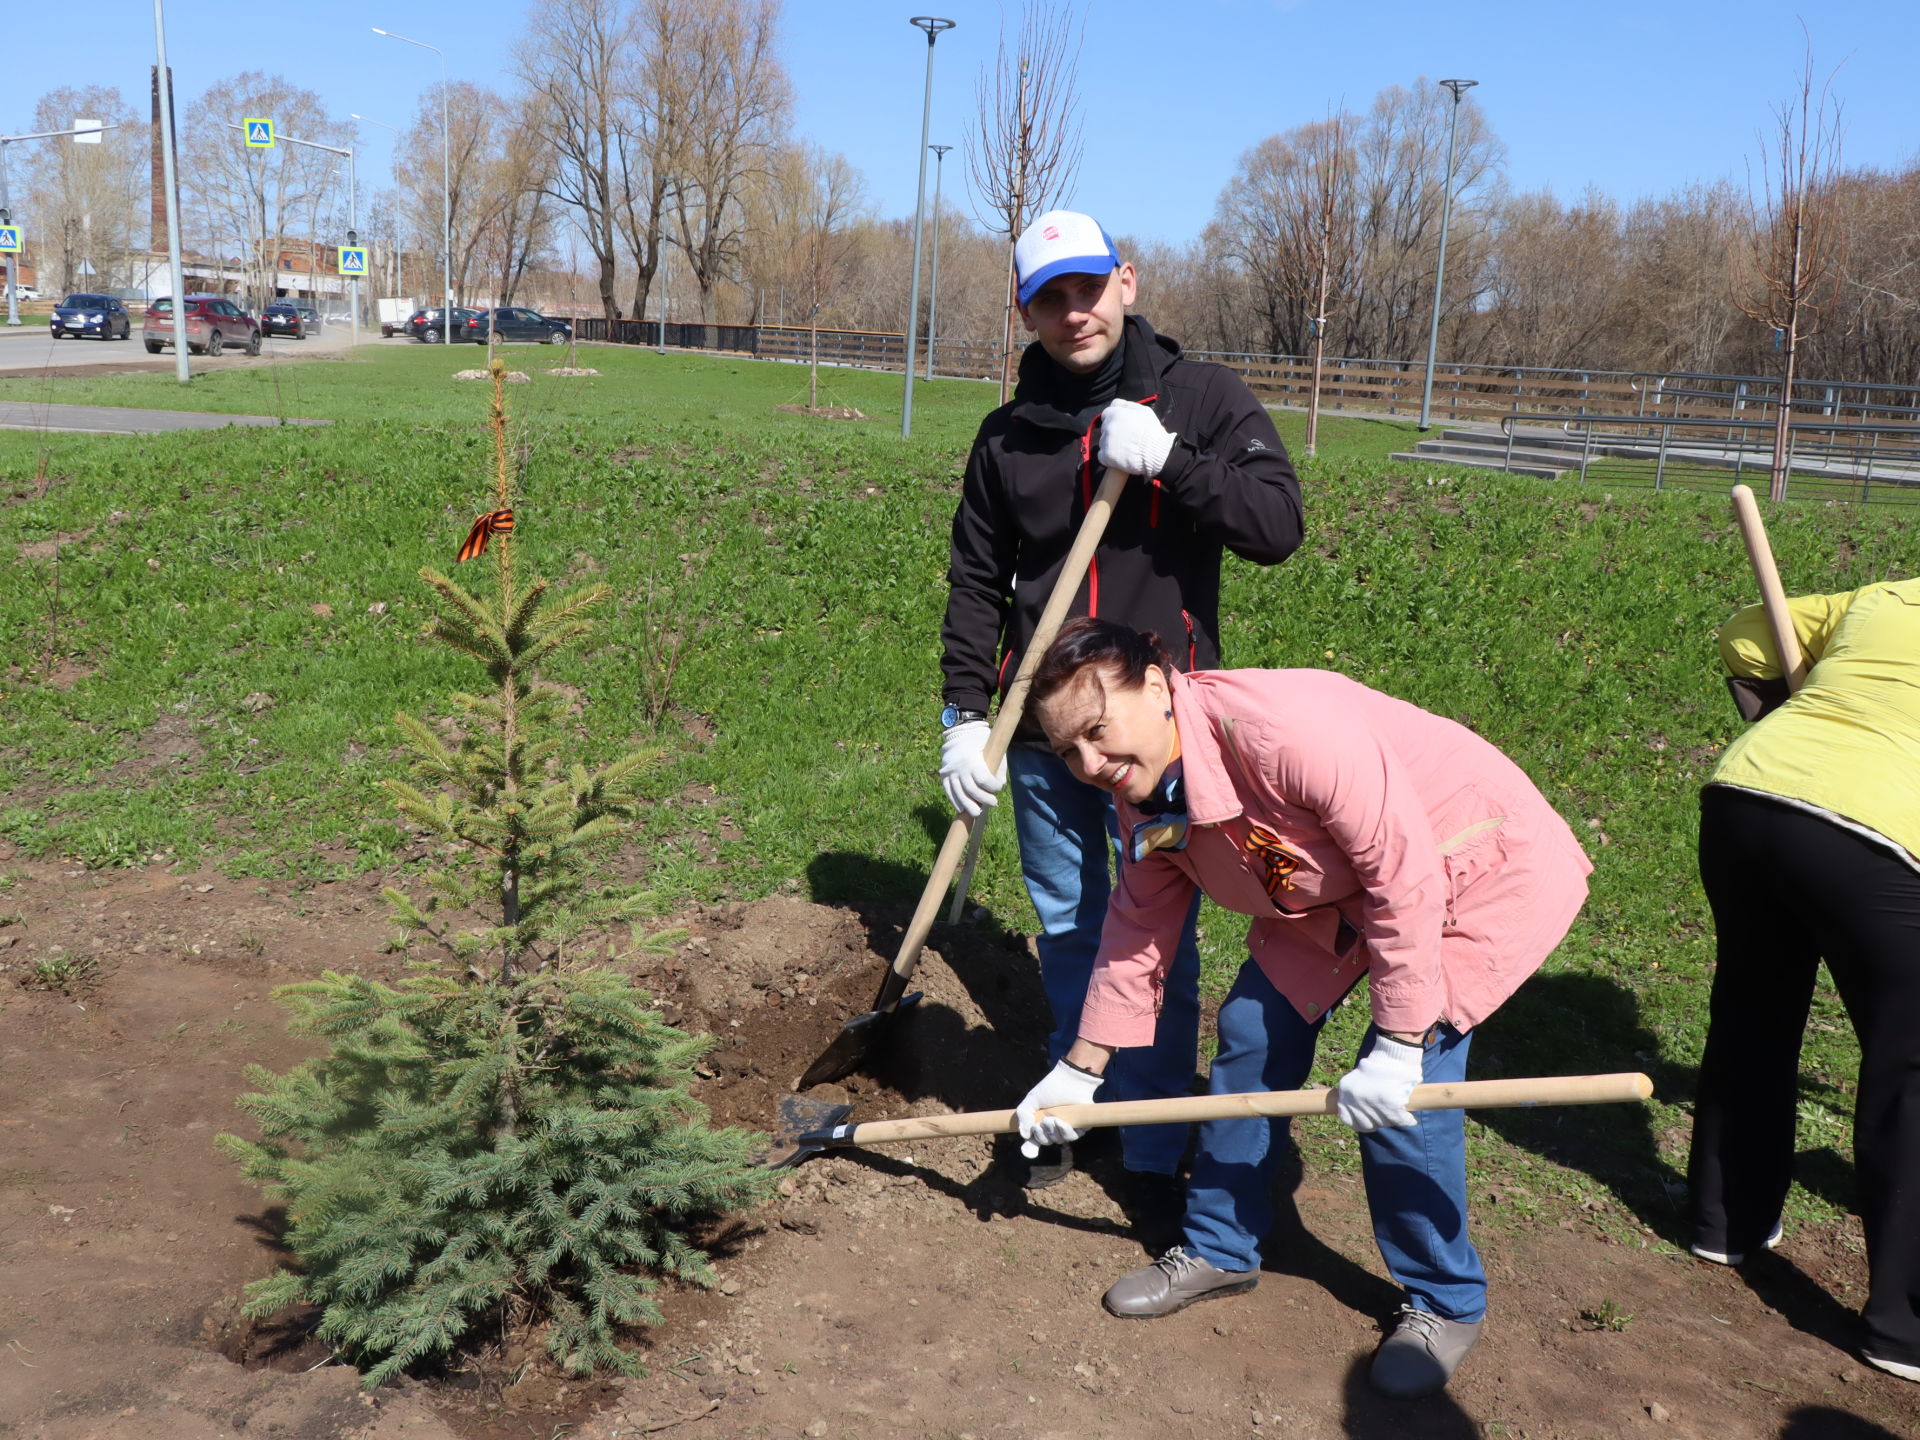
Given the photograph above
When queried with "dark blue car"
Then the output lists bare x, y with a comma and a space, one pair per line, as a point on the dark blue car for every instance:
101, 316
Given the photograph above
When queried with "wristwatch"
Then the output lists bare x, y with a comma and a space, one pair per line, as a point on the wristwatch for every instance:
953, 715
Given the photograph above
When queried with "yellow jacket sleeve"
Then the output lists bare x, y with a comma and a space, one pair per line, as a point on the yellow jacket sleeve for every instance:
1746, 641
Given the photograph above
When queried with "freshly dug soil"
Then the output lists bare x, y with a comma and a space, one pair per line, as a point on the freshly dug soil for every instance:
901, 1292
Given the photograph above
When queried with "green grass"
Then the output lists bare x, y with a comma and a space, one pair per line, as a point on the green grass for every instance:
211, 668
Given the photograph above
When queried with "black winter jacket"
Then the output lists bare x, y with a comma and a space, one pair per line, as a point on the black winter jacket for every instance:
1032, 474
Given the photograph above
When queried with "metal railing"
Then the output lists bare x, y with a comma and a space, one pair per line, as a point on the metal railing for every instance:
1826, 459
1348, 383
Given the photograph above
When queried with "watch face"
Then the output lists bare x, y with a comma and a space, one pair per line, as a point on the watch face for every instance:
950, 717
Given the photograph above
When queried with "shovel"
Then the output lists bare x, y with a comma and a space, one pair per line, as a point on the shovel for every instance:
856, 1037
1773, 597
810, 1126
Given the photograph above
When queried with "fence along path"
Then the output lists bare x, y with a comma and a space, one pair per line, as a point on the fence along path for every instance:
1379, 387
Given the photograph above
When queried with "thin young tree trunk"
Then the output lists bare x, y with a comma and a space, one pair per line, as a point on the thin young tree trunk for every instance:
1790, 335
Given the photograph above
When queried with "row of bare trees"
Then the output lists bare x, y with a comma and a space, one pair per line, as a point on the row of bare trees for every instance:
649, 140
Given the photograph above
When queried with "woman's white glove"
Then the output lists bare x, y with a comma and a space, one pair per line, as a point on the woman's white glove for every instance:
1133, 439
964, 775
1063, 1085
1374, 1093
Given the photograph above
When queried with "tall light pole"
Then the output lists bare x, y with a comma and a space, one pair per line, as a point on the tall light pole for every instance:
1440, 268
175, 271
446, 188
933, 287
6, 204
933, 25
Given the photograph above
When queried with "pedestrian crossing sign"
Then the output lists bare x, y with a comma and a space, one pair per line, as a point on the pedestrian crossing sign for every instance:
353, 259
12, 240
259, 133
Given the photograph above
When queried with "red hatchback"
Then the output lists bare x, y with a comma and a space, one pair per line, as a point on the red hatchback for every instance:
213, 323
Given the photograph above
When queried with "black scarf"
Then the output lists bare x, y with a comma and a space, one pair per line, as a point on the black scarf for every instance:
1051, 395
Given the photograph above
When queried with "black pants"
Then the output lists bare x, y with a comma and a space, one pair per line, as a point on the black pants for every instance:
1789, 889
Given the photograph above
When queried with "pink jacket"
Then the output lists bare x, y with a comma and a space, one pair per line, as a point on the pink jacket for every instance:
1365, 835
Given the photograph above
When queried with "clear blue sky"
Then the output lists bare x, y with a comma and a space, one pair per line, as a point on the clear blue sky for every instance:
1637, 100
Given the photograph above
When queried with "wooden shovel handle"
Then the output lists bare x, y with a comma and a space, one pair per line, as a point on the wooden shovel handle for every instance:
1468, 1094
1773, 597
1072, 571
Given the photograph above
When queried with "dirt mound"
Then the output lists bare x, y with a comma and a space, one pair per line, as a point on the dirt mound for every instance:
776, 980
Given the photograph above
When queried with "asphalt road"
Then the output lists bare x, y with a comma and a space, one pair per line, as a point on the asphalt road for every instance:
31, 348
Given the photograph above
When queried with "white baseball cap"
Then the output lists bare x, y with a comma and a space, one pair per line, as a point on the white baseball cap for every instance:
1061, 242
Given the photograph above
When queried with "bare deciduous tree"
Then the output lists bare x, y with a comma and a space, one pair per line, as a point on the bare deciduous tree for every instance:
1795, 247
1025, 151
573, 62
85, 201
737, 97
248, 203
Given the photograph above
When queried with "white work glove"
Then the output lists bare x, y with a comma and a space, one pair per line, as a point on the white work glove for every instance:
1374, 1093
1062, 1085
964, 775
1133, 439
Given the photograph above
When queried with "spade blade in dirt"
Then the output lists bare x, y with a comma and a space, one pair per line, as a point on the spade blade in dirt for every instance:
841, 1058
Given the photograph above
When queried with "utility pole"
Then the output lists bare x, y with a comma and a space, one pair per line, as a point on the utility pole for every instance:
933, 25
933, 293
6, 203
1440, 269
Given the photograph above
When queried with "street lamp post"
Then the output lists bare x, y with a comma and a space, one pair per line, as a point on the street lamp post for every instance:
1440, 268
933, 286
933, 25
446, 188
6, 204
175, 271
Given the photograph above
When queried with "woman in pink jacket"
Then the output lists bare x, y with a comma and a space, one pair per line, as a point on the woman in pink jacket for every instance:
1366, 837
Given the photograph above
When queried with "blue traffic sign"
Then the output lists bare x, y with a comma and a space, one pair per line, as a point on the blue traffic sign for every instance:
259, 133
353, 259
13, 239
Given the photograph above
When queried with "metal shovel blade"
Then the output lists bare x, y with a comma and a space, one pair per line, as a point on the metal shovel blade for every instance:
802, 1129
843, 1056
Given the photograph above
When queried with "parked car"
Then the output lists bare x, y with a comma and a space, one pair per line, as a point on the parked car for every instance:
87, 314
426, 324
25, 292
213, 323
289, 317
512, 322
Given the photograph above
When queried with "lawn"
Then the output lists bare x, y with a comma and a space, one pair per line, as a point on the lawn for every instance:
206, 637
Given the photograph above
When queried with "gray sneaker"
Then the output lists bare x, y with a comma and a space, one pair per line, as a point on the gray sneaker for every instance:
1420, 1356
1171, 1283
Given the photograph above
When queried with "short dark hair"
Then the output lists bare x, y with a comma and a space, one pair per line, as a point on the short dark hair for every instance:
1089, 641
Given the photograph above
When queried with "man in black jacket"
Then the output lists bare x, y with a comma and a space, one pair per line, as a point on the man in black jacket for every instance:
1099, 388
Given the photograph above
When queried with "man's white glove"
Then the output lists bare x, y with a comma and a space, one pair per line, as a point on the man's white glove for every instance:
1133, 439
964, 775
1374, 1093
1062, 1085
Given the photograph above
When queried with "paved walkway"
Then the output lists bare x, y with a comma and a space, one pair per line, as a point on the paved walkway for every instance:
115, 420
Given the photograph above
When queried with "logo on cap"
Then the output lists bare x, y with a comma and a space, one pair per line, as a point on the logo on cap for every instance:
1052, 232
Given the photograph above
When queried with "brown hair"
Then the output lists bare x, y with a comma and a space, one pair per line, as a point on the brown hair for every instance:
1089, 641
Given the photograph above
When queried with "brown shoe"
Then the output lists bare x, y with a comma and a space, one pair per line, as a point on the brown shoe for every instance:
1173, 1282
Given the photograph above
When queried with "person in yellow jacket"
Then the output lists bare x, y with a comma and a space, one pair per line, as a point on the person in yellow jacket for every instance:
1810, 850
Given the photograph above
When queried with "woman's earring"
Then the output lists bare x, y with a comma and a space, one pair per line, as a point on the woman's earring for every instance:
1167, 714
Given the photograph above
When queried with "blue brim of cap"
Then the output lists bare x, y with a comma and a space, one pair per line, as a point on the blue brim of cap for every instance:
1101, 264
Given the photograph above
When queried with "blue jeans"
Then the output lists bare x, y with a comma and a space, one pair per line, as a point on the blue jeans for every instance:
1067, 836
1416, 1177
